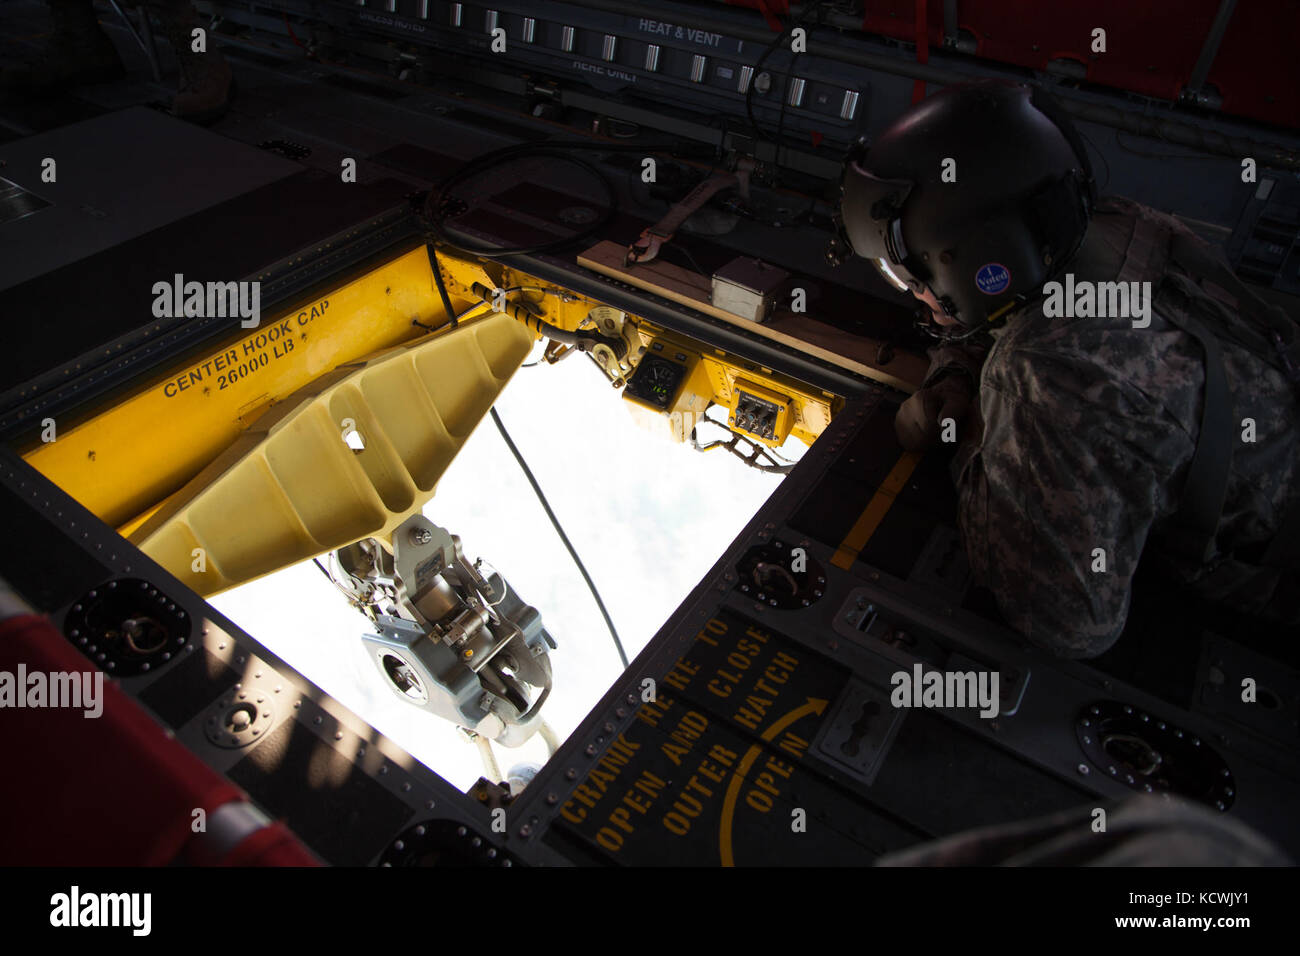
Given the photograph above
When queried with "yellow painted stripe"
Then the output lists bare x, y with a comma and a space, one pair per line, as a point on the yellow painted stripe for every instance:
875, 511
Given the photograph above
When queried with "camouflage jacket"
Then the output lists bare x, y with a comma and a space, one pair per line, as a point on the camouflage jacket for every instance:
1088, 429
1143, 830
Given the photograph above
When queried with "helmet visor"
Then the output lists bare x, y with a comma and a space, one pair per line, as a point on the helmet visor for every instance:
894, 275
869, 209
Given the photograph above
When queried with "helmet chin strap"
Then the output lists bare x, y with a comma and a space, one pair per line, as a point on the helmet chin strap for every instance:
946, 333
961, 332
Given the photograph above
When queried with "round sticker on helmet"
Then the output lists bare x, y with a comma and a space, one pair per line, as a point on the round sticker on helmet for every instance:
992, 278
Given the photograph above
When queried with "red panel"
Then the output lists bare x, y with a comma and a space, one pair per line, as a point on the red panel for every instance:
271, 846
897, 19
769, 8
1257, 69
1151, 48
112, 790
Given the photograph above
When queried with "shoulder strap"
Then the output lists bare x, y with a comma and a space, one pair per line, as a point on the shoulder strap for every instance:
1281, 331
1206, 487
1195, 525
1207, 478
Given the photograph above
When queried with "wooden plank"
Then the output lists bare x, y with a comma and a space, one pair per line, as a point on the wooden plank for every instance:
854, 353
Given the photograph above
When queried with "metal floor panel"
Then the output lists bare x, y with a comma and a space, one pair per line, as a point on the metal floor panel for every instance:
119, 176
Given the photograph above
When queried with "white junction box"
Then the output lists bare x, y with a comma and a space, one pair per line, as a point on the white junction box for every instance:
748, 288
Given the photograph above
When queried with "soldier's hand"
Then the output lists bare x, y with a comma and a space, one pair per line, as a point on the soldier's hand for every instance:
921, 420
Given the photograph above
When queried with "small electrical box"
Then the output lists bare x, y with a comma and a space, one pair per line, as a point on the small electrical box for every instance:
761, 412
748, 288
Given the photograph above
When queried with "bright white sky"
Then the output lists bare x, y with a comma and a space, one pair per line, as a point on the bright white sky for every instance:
648, 517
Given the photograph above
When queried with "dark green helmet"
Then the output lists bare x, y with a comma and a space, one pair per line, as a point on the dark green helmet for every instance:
1013, 210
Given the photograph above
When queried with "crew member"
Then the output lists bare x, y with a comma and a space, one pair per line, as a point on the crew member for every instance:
1087, 433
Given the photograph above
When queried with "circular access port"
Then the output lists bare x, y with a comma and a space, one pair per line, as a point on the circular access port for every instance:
1133, 752
127, 626
775, 580
1146, 753
144, 635
240, 718
780, 575
402, 676
443, 843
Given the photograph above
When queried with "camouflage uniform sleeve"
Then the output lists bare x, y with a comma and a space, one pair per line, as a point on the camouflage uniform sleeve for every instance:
1054, 477
956, 356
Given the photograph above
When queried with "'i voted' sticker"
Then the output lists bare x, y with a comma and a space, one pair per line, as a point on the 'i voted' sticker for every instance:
992, 278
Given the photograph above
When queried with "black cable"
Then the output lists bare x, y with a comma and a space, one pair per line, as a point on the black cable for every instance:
555, 523
749, 90
803, 18
478, 167
434, 204
785, 98
685, 253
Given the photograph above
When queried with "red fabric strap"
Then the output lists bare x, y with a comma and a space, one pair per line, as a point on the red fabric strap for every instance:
922, 48
112, 790
274, 845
